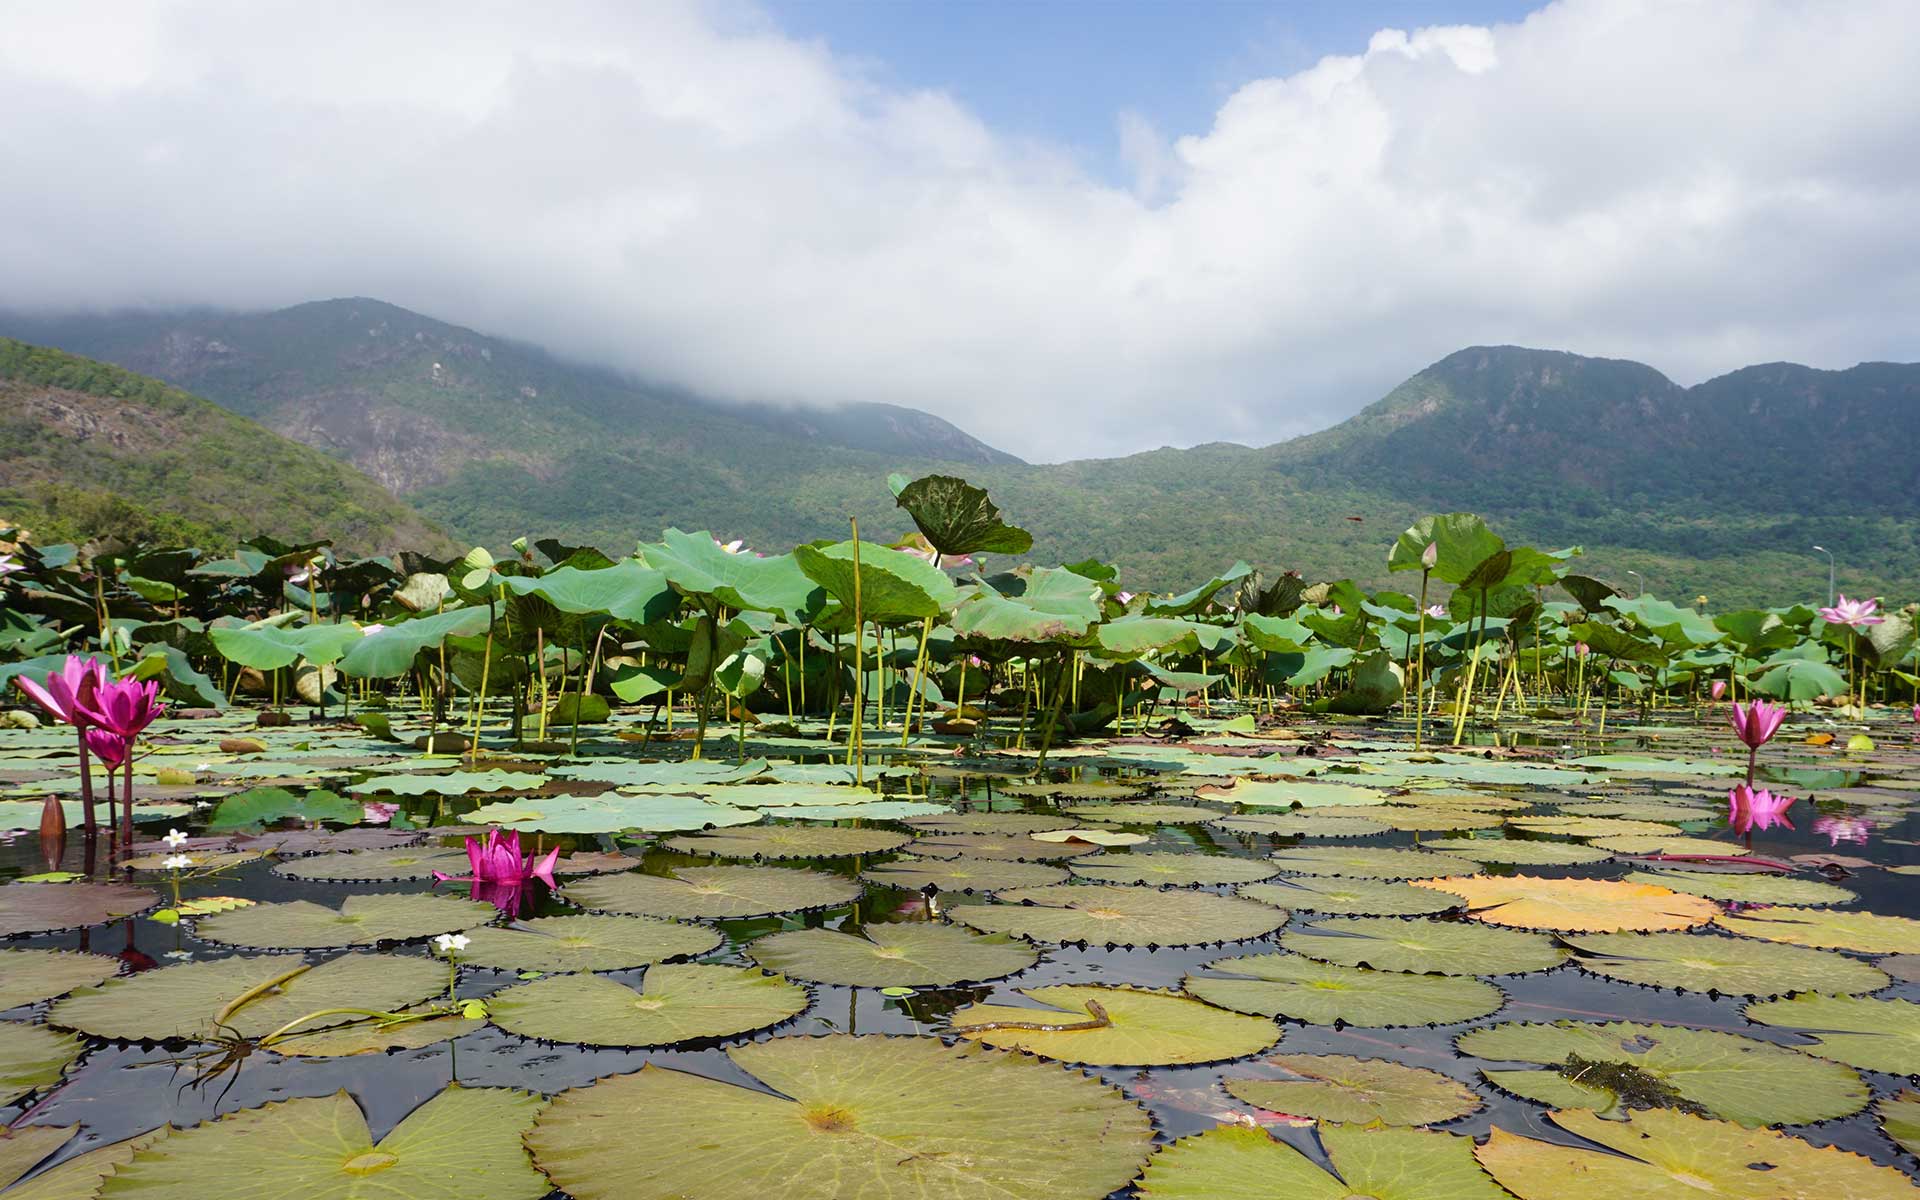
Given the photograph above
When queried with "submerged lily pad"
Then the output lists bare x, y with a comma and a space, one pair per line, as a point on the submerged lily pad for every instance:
30, 976
1174, 870
1237, 1163
1144, 1027
45, 907
962, 874
1336, 896
1702, 962
1824, 929
359, 921
1746, 888
675, 1003
1114, 914
1335, 1087
1289, 985
693, 892
33, 1057
1874, 1035
1418, 945
1369, 862
376, 866
1581, 905
585, 943
787, 841
914, 955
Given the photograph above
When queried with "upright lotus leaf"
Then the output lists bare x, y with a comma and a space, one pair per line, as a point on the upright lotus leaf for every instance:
1112, 914
1174, 870
719, 892
360, 921
1335, 1087
1591, 593
267, 647
1292, 986
1580, 905
1800, 679
626, 591
1140, 1027
462, 1143
1670, 1066
1701, 962
1822, 929
676, 1002
33, 1057
45, 907
1461, 543
1234, 1162
390, 653
1275, 635
1669, 622
1334, 896
1874, 1035
180, 680
1046, 604
696, 565
1419, 945
893, 955
957, 518
1658, 1152
30, 976
1130, 637
1187, 603
894, 586
1891, 641
838, 1117
963, 874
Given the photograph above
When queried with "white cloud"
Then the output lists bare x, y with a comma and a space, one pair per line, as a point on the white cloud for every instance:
684, 190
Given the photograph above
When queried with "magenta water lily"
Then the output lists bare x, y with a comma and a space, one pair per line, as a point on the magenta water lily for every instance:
497, 859
1749, 809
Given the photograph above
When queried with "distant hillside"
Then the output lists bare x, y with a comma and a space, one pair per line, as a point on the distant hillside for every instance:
88, 448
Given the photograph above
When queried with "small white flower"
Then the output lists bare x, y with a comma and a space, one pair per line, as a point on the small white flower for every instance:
450, 943
177, 862
175, 839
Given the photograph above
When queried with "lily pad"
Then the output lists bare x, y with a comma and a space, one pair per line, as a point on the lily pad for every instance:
1335, 1087
585, 943
374, 1037
30, 976
1667, 843
1142, 814
1746, 888
693, 892
612, 812
376, 866
1305, 824
28, 1145
991, 822
1174, 870
1335, 896
1145, 1027
988, 845
1701, 962
1900, 1118
1592, 827
1874, 1035
76, 1178
33, 1057
1521, 852
675, 1003
1113, 914
1292, 793
1369, 862
1419, 945
914, 955
1582, 905
1237, 1163
46, 907
453, 783
787, 841
962, 874
359, 921
1825, 929
1288, 985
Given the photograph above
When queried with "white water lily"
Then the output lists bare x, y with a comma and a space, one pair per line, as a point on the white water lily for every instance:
176, 862
175, 839
370, 630
450, 943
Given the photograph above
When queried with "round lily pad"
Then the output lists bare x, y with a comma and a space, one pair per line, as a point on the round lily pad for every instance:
33, 1057
585, 943
1874, 1035
1174, 870
836, 1117
675, 1003
1369, 862
1018, 847
612, 812
1086, 789
1292, 793
790, 841
1523, 852
359, 921
961, 874
1418, 945
46, 907
1143, 814
693, 892
1746, 887
376, 1037
1334, 1087
1825, 929
1089, 836
1592, 827
1702, 962
1413, 818
1234, 1162
1667, 843
198, 860
1302, 824
1114, 914
375, 866
991, 822
1337, 896
916, 955
30, 976
1904, 967
1587, 905
75, 1178
1288, 985
1729, 1076
1144, 1027
1899, 1116
27, 1145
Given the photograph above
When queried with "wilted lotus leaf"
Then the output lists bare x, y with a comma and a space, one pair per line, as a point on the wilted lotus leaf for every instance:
1288, 985
1335, 896
453, 783
787, 841
1112, 914
252, 995
1334, 1087
462, 1143
909, 955
1142, 814
585, 943
1518, 851
1824, 929
1017, 848
365, 1036
1291, 793
1418, 945
1900, 1118
675, 1003
76, 1178
1658, 1152
1305, 824
612, 812
1592, 827
962, 874
1174, 870
991, 822
1237, 1163
1583, 905
376, 866
359, 921
712, 892
1702, 962
1368, 862
1670, 1066
45, 907
907, 1118
1745, 887
1140, 1027
1874, 1035
33, 1057
30, 976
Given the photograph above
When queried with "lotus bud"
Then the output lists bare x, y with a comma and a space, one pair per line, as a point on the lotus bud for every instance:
53, 832
1430, 556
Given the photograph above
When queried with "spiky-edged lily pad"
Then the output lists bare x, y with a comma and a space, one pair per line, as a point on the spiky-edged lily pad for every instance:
1702, 962
675, 1003
250, 995
1142, 1027
1143, 814
1337, 896
1017, 848
1304, 824
1658, 1152
22, 1148
1904, 967
197, 860
1592, 827
1518, 851
1580, 905
912, 955
1288, 985
1874, 1035
44, 907
1089, 836
1746, 888
1825, 929
693, 892
585, 943
1368, 862
1234, 1162
1667, 843
372, 866
1419, 945
877, 810
359, 921
1726, 1075
1292, 793
33, 1057
1115, 914
962, 874
1335, 1087
612, 812
991, 822
452, 783
840, 1116
76, 1178
1899, 1116
464, 1142
30, 976
788, 841
1174, 870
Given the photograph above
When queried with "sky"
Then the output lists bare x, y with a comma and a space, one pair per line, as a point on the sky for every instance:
1072, 228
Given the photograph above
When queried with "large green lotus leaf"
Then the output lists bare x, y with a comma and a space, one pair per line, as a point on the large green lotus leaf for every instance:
1015, 848
696, 565
1304, 824
256, 994
1369, 862
786, 841
1293, 793
1234, 1162
895, 955
585, 943
371, 866
1334, 896
389, 653
1874, 1035
1593, 827
33, 1057
22, 1148
30, 976
359, 921
367, 1036
1419, 945
840, 1117
464, 1142
957, 518
1578, 905
1746, 888
1900, 1118
1054, 605
1335, 1087
1143, 814
1174, 870
1701, 962
992, 822
1288, 985
268, 648
1657, 1152
259, 807
1518, 851
1132, 636
45, 907
894, 585
1460, 541
625, 591
676, 1002
1734, 1077
694, 892
962, 874
451, 783
1800, 679
1145, 1027
79, 1177
1823, 929
612, 812
1113, 914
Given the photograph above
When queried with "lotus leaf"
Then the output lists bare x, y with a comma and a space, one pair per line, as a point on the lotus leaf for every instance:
1142, 1027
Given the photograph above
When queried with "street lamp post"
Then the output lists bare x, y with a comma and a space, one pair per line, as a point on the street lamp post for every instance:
1639, 581
1829, 554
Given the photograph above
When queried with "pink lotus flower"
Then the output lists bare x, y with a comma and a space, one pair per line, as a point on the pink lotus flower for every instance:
1755, 724
1582, 649
8, 566
1916, 714
1844, 829
125, 706
1436, 610
109, 746
1430, 557
67, 691
373, 812
1124, 597
1748, 809
370, 630
498, 860
1854, 614
1717, 689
